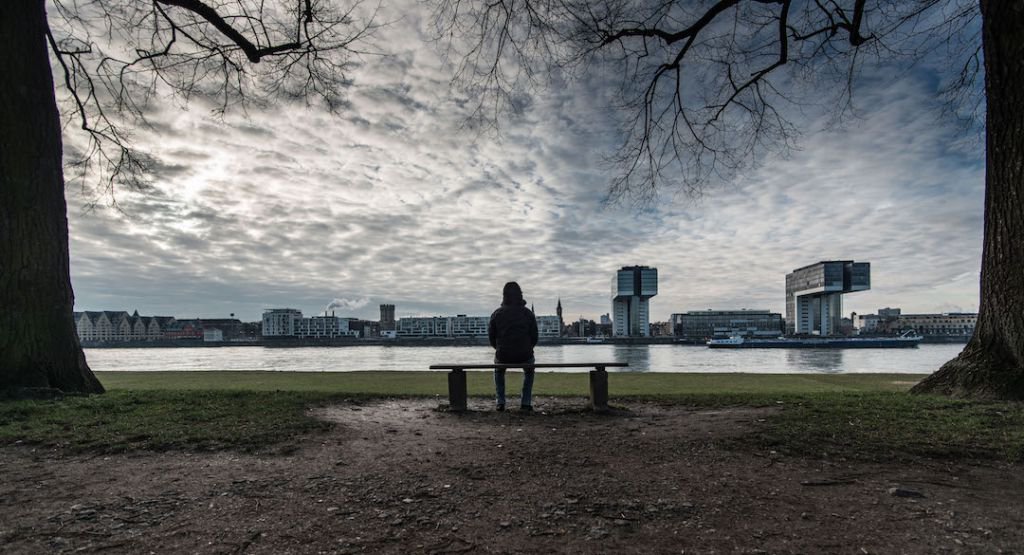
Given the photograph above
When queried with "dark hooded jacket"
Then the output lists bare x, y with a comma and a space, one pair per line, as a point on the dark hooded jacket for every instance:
513, 327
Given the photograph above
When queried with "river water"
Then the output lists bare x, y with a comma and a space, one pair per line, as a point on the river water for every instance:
923, 359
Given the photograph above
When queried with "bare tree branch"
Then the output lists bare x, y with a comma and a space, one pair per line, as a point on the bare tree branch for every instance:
704, 86
211, 15
117, 56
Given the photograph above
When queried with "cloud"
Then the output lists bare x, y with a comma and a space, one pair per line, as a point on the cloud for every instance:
394, 201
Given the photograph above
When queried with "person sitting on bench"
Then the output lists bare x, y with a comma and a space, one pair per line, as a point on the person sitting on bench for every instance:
513, 334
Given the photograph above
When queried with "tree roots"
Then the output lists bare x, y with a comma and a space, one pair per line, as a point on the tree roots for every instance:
977, 373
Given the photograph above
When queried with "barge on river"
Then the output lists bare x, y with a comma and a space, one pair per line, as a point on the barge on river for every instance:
739, 342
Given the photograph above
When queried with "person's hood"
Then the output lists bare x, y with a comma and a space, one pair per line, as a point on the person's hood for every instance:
512, 295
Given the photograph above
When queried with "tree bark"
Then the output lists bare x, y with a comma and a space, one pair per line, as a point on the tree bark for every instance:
39, 345
992, 363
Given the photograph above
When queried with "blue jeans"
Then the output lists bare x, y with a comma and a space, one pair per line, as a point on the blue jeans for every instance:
499, 384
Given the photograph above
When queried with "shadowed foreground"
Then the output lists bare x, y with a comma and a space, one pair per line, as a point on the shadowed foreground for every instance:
401, 476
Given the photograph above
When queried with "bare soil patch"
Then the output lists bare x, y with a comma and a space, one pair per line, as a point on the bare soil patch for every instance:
401, 476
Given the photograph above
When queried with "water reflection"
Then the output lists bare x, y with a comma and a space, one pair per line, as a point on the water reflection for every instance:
828, 361
641, 358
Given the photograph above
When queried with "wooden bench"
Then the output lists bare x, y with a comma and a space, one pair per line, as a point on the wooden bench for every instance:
598, 380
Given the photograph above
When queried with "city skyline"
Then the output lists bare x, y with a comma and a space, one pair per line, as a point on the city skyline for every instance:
393, 202
331, 311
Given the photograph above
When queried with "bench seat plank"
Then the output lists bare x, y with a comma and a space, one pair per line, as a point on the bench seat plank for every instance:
598, 379
475, 366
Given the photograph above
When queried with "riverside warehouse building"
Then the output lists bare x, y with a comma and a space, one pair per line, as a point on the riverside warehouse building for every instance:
289, 322
464, 326
700, 325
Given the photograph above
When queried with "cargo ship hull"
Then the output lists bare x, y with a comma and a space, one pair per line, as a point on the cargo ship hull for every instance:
816, 343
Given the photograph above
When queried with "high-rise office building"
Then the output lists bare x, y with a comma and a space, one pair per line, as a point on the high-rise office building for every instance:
632, 289
814, 294
387, 317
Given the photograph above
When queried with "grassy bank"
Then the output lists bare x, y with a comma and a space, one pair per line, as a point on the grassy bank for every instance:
481, 384
863, 416
121, 420
885, 427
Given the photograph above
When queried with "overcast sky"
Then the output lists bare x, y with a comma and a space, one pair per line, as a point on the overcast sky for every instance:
391, 202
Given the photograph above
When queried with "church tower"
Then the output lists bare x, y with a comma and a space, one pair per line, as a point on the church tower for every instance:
561, 323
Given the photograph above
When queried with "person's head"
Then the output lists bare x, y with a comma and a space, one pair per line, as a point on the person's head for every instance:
512, 294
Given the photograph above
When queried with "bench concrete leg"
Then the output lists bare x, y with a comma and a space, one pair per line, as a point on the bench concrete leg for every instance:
599, 390
457, 391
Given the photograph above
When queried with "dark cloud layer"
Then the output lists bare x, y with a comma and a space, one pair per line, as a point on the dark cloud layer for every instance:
394, 201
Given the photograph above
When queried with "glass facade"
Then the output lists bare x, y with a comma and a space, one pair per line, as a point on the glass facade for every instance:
814, 294
632, 288
859, 277
623, 284
648, 282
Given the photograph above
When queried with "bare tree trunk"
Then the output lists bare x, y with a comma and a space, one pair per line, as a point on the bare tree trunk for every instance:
39, 346
992, 363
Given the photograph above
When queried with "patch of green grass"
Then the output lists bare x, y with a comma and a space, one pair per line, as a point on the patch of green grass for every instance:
896, 426
481, 383
368, 383
121, 421
856, 416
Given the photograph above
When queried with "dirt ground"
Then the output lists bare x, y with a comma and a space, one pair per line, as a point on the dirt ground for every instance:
404, 477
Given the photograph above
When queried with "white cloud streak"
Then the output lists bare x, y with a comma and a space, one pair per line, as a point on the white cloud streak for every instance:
393, 202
